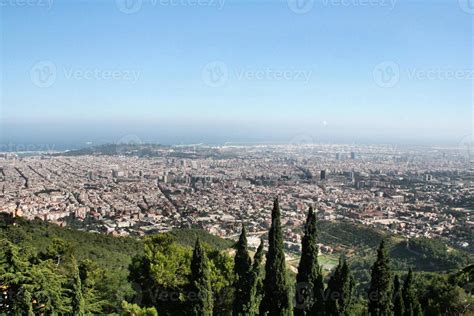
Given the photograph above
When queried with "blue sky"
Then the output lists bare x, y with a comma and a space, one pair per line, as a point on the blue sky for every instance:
215, 70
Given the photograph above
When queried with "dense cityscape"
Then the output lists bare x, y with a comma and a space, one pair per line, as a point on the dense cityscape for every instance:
140, 189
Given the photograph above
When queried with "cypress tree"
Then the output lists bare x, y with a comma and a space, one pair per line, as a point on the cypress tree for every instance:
308, 270
201, 294
397, 299
319, 305
276, 292
380, 292
256, 285
242, 267
412, 307
331, 292
347, 289
339, 294
78, 304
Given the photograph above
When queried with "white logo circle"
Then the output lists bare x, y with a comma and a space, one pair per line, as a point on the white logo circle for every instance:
467, 6
300, 6
43, 74
129, 6
386, 74
215, 74
302, 140
130, 140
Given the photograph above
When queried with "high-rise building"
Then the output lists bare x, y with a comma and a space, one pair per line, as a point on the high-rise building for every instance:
353, 155
323, 175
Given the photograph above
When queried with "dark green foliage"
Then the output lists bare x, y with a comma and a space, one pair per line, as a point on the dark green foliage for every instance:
95, 288
129, 309
161, 277
308, 271
422, 254
56, 245
410, 299
464, 278
256, 283
13, 276
57, 249
242, 267
319, 305
200, 295
339, 294
429, 254
439, 295
380, 292
29, 284
276, 292
397, 299
111, 253
77, 304
27, 307
187, 237
348, 234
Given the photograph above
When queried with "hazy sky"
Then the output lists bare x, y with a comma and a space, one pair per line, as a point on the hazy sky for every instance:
216, 70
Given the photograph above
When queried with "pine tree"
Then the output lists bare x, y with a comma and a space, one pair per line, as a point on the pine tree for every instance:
13, 275
276, 292
308, 270
397, 299
339, 294
380, 292
201, 293
412, 307
78, 304
242, 269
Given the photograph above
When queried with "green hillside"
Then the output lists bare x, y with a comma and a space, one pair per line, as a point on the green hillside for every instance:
110, 266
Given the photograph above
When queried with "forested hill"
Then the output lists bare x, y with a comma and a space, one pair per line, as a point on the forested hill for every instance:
113, 270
